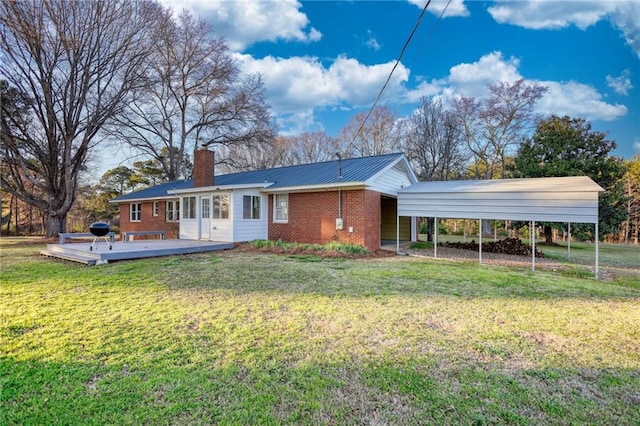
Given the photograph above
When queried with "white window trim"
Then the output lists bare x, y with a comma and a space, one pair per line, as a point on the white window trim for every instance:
213, 208
156, 209
175, 209
190, 208
139, 210
275, 220
259, 210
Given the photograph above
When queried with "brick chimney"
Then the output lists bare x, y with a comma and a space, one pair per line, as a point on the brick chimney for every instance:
203, 168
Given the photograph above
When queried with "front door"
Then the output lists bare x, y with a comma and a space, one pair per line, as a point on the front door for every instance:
205, 217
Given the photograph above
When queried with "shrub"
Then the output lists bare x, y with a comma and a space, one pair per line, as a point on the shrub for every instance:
345, 248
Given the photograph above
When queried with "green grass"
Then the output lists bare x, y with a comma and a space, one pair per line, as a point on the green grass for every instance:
245, 338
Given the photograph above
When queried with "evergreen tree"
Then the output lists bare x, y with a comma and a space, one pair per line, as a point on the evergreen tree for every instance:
565, 146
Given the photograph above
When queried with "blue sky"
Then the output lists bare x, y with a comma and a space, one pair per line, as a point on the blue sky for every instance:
322, 62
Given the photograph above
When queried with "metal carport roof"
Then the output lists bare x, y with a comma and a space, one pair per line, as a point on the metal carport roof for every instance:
556, 199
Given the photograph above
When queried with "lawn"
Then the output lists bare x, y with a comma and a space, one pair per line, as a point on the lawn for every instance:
244, 338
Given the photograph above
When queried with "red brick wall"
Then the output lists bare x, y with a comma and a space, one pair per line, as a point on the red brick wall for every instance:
203, 168
148, 221
312, 218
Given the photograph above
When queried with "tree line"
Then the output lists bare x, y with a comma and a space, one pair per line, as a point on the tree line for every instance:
79, 76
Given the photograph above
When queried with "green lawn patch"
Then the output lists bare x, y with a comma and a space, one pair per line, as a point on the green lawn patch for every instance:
241, 337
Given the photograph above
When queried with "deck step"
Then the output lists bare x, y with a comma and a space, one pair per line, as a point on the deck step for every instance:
73, 257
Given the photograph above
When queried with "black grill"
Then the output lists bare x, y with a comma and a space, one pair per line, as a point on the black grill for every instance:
99, 230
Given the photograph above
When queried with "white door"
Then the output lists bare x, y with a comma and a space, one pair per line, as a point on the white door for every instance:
205, 217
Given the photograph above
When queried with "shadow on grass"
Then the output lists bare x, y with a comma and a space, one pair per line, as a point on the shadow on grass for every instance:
246, 272
250, 272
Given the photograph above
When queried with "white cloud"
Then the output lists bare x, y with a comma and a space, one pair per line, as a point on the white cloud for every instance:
626, 18
563, 98
621, 84
243, 22
455, 8
538, 14
636, 145
372, 42
304, 83
473, 79
578, 100
554, 14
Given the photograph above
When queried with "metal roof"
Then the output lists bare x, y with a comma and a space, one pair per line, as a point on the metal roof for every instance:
547, 184
354, 170
558, 199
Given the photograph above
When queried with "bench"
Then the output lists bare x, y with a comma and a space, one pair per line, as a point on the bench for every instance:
126, 235
65, 235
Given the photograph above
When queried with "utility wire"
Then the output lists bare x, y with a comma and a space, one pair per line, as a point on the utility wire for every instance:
430, 33
384, 86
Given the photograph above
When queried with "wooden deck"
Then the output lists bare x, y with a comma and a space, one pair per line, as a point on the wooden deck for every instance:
80, 252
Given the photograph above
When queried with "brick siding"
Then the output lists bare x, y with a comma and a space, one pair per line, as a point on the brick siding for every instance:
148, 221
312, 218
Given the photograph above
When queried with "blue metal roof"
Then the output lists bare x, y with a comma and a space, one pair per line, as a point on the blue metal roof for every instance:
353, 170
157, 191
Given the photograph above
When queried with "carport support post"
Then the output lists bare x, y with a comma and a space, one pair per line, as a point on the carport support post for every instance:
597, 247
480, 245
398, 234
533, 245
569, 240
435, 237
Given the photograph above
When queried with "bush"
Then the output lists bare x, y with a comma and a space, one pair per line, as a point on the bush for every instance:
345, 248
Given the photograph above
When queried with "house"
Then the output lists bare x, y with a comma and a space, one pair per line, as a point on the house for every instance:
348, 200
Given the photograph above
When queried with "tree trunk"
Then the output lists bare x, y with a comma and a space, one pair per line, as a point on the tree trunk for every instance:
16, 216
486, 227
55, 225
548, 234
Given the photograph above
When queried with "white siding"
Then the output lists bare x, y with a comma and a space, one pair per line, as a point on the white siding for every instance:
249, 229
188, 229
391, 180
544, 200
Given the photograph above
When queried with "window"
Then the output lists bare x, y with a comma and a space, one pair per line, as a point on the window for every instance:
250, 207
221, 206
135, 212
156, 208
189, 208
205, 207
281, 207
173, 211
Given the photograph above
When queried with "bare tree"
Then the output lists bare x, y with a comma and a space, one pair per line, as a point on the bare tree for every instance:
434, 142
509, 116
380, 134
241, 157
467, 113
314, 147
493, 128
74, 64
306, 148
196, 97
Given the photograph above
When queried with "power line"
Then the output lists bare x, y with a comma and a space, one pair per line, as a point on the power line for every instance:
384, 86
431, 31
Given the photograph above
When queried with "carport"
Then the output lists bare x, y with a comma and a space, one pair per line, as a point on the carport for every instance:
557, 199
